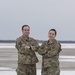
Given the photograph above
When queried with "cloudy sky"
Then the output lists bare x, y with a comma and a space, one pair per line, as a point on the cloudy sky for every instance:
41, 15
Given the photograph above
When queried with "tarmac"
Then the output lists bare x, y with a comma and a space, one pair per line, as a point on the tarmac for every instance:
9, 57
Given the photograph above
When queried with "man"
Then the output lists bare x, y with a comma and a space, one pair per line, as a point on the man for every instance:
26, 47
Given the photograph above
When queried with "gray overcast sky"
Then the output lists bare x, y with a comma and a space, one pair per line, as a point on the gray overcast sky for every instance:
41, 15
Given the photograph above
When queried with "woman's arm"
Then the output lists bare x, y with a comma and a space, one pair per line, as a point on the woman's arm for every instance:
42, 49
54, 51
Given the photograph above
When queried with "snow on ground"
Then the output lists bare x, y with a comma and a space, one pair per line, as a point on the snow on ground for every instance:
9, 71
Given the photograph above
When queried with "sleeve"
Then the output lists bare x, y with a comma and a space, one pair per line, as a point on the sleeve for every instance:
21, 47
18, 44
35, 46
42, 49
54, 51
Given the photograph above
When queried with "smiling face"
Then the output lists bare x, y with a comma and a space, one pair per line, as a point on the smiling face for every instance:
52, 34
26, 31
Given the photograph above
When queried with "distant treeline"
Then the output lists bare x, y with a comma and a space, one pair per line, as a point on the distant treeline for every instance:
39, 41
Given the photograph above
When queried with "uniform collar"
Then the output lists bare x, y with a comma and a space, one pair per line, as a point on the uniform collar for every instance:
52, 41
26, 39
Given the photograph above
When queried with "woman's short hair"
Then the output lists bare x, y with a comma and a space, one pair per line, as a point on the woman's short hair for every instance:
53, 30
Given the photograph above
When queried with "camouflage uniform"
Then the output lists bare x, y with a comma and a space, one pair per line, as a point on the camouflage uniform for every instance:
50, 57
26, 57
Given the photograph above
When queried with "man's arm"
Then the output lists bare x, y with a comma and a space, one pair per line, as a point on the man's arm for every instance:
21, 47
35, 46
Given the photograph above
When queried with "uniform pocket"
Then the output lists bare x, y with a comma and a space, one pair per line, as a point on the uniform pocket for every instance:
24, 59
47, 62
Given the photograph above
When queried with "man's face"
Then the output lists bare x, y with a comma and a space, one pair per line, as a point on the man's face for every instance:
51, 35
26, 31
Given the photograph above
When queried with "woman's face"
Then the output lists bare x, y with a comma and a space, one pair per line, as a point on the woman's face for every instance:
51, 35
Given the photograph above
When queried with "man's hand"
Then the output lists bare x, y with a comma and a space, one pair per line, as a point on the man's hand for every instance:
27, 47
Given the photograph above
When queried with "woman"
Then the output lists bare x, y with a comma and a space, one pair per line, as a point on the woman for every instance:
50, 50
